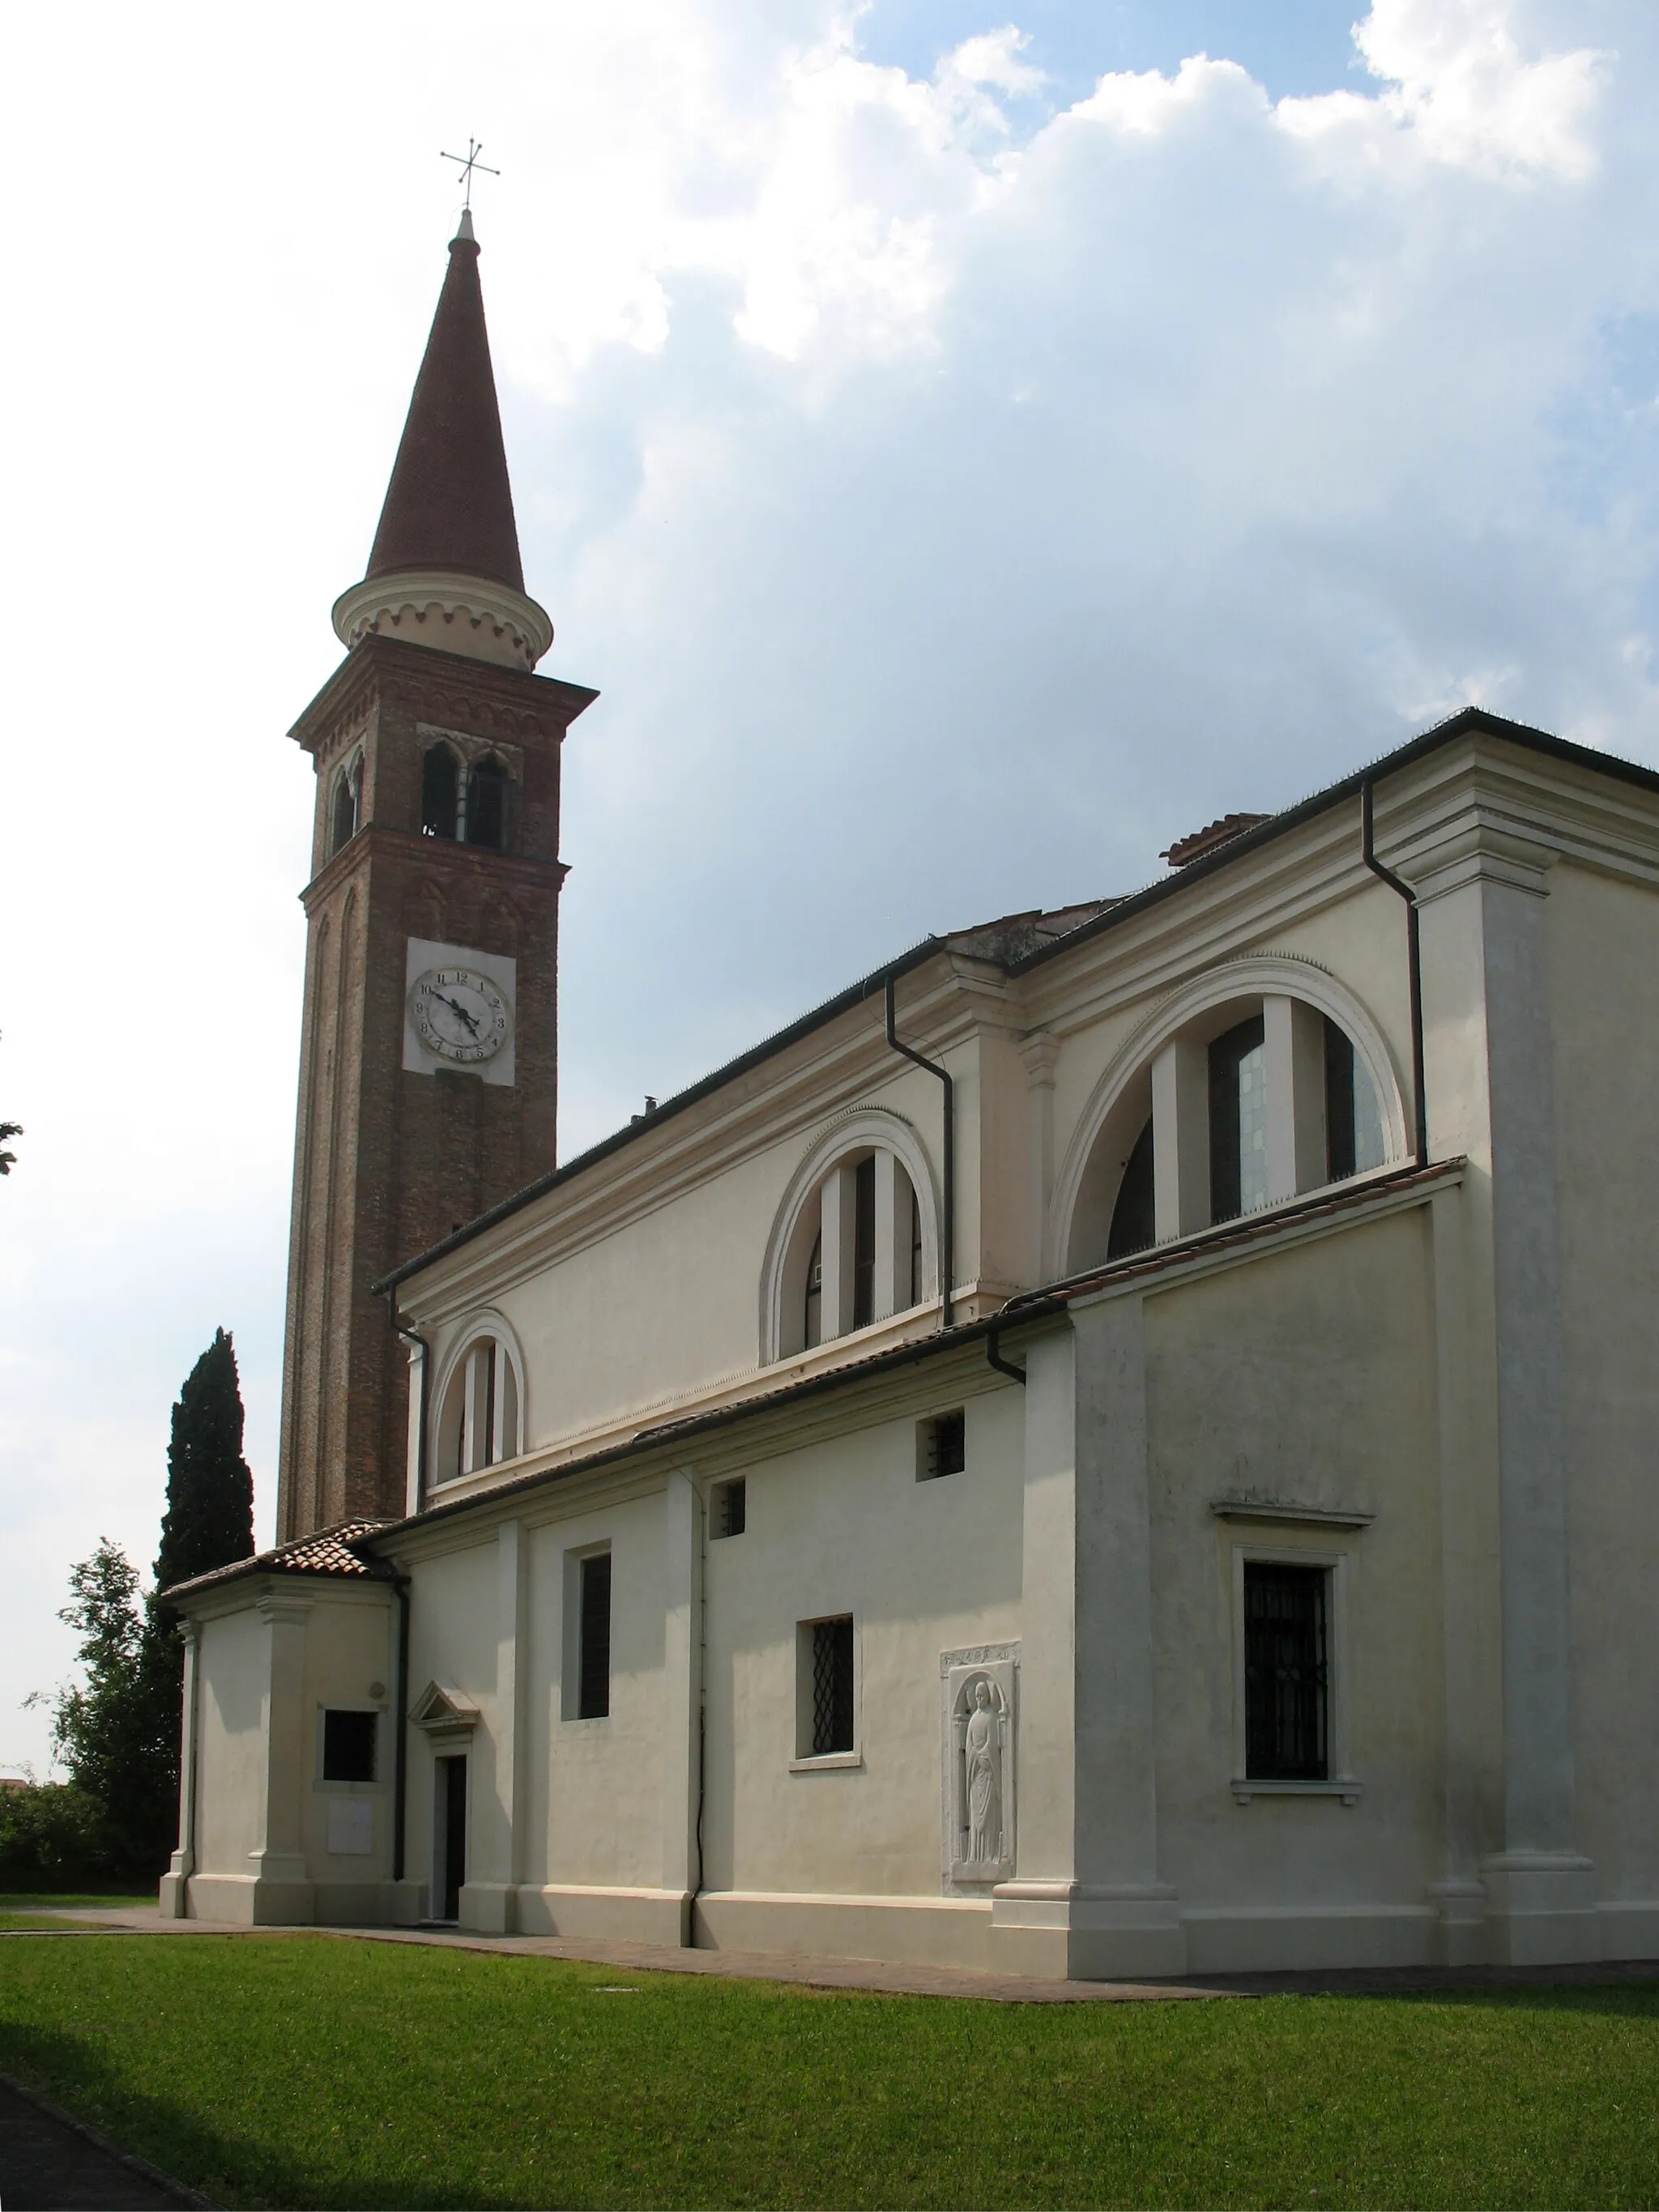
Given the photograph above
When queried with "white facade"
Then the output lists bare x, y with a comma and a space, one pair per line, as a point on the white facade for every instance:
1429, 1385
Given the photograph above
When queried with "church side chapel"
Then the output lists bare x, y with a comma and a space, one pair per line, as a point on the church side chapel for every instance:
1121, 1445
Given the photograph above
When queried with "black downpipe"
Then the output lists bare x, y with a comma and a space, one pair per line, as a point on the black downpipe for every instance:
947, 1237
994, 1355
400, 1755
1414, 970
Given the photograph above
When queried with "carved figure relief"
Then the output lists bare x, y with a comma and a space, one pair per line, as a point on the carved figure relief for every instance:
978, 1751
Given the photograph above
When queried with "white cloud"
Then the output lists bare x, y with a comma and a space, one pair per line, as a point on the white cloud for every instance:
954, 495
1457, 72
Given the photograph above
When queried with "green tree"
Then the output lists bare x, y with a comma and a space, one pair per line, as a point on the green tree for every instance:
209, 1521
116, 1731
8, 1160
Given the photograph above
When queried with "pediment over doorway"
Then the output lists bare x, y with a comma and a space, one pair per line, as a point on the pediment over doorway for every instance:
442, 1711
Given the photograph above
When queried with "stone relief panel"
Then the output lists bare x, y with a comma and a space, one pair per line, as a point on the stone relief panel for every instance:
978, 1712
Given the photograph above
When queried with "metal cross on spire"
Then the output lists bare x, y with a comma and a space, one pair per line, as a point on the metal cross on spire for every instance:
468, 164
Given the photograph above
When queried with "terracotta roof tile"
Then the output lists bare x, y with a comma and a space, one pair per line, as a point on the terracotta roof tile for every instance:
327, 1552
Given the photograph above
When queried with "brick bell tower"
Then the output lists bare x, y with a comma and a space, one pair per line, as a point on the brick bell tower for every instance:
429, 1055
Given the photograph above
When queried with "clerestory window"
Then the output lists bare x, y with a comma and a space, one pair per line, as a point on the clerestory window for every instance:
479, 1421
1254, 1100
855, 1257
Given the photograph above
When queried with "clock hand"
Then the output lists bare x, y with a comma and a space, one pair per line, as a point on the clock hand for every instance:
456, 1007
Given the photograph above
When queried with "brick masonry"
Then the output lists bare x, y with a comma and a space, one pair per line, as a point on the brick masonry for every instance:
387, 1162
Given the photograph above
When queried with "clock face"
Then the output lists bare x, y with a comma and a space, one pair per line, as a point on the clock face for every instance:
459, 1014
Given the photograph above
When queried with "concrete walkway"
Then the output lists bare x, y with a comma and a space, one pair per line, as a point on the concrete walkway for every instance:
910, 1980
51, 2163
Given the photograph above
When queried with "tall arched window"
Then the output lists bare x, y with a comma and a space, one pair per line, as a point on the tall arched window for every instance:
439, 792
480, 1421
855, 1254
348, 800
485, 824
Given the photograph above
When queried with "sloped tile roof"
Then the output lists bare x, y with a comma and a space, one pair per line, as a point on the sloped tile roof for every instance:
327, 1552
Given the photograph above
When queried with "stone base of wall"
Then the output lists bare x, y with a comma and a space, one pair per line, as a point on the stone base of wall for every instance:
942, 1931
599, 1915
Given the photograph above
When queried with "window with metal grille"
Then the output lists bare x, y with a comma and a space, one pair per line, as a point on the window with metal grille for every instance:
1287, 1672
942, 1446
730, 1516
349, 1746
832, 1685
593, 1672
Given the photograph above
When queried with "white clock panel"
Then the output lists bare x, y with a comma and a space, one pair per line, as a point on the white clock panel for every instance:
459, 1010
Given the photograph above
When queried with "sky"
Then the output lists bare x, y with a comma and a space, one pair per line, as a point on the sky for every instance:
965, 451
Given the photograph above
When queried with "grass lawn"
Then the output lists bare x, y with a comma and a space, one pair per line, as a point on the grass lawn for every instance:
296, 2071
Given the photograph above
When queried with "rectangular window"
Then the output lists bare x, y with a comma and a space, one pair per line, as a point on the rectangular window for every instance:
832, 1687
594, 1685
349, 1746
731, 1509
941, 1446
864, 1243
1238, 1122
1287, 1672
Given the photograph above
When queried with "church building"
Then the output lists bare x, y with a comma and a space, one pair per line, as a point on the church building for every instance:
1122, 1444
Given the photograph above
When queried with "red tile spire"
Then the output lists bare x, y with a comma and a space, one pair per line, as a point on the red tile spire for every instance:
449, 505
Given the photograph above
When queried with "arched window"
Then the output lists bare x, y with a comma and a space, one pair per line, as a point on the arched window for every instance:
479, 1422
855, 1255
439, 792
1234, 1099
348, 800
485, 818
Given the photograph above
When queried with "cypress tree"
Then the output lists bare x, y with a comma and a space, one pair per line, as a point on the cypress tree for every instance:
208, 1521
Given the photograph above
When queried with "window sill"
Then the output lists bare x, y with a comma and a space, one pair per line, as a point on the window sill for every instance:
1244, 1788
826, 1761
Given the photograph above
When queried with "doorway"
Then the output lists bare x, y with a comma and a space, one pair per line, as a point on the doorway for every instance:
450, 1872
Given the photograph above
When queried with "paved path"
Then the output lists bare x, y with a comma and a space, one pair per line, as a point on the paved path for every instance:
50, 2163
915, 1981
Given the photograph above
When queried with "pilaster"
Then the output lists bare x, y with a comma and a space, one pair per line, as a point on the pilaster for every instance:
281, 1884
1490, 1067
1086, 1901
684, 1511
174, 1895
488, 1896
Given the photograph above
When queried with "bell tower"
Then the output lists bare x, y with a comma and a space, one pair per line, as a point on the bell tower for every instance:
428, 1054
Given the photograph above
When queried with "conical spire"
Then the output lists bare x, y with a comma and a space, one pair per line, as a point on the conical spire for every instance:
444, 570
449, 504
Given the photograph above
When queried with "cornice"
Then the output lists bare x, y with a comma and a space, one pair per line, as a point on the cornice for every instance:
469, 692
438, 856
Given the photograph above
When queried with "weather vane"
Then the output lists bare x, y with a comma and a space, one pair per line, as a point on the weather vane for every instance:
468, 164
